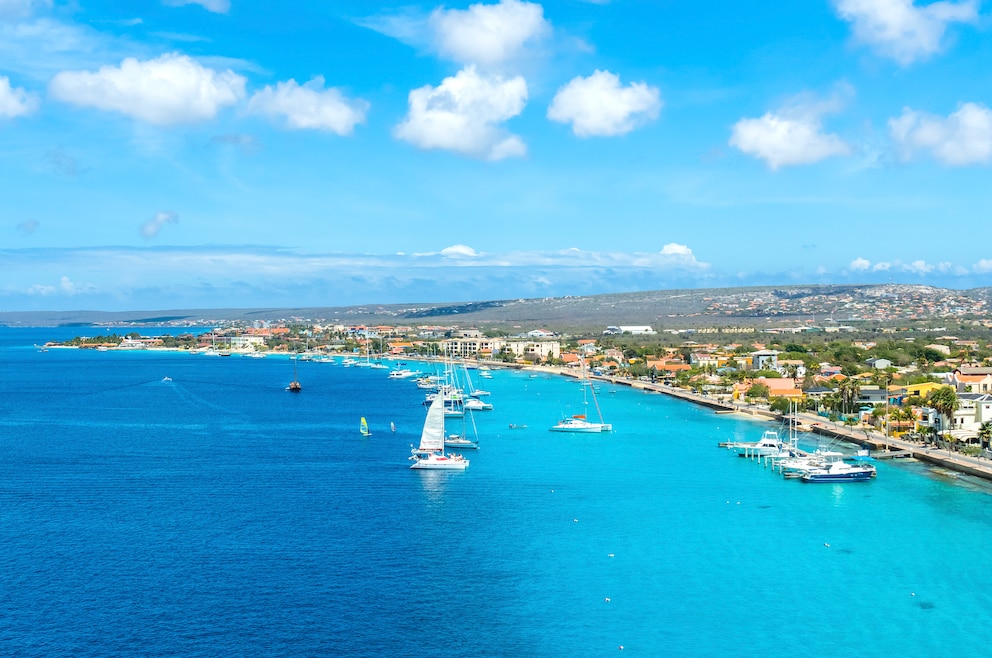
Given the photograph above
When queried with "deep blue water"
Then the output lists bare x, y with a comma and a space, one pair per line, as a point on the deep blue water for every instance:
217, 514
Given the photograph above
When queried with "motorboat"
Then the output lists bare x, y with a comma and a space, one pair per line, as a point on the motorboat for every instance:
840, 471
769, 444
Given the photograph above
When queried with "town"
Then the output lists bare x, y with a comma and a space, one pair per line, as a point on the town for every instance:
926, 385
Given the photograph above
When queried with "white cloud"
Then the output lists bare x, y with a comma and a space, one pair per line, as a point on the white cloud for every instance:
464, 113
902, 31
860, 264
791, 136
963, 138
983, 266
151, 228
487, 34
14, 9
14, 101
882, 267
459, 251
168, 90
918, 267
598, 106
216, 6
310, 106
41, 290
680, 255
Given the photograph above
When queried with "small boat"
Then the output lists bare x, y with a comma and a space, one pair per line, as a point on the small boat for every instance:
392, 427
364, 428
517, 427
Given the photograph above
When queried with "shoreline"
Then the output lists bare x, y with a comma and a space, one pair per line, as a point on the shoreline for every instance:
864, 437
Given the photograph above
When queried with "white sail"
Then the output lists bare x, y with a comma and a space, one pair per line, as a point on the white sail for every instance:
432, 438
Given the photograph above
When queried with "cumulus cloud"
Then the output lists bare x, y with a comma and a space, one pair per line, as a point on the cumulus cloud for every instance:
14, 101
918, 267
459, 251
487, 34
216, 6
151, 228
310, 106
963, 138
882, 267
860, 264
464, 114
598, 106
983, 266
168, 90
901, 30
790, 136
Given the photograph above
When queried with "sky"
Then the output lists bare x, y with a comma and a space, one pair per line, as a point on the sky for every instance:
174, 154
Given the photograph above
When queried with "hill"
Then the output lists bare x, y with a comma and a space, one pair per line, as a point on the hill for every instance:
876, 304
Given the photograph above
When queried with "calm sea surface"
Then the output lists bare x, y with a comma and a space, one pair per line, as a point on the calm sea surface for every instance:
217, 514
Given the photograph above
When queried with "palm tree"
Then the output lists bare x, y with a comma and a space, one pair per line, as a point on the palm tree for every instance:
945, 401
985, 433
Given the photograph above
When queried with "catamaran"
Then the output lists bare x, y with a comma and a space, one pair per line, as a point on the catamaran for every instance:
579, 423
430, 453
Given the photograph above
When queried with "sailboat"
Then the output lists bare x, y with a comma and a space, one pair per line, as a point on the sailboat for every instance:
294, 386
579, 423
364, 428
430, 453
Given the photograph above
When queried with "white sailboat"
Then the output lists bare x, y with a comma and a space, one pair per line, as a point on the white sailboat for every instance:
579, 424
430, 453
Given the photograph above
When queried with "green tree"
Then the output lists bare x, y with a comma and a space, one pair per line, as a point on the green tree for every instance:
779, 404
945, 401
757, 391
985, 433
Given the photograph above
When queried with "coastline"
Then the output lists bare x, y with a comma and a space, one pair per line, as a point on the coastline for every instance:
885, 447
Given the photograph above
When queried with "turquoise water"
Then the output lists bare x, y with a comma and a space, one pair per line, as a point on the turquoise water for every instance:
217, 514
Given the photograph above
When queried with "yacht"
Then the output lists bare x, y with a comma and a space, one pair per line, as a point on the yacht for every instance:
768, 444
579, 424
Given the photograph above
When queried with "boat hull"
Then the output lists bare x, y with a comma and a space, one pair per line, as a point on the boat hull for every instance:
440, 463
860, 476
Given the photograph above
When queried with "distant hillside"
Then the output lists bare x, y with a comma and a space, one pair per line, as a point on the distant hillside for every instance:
660, 308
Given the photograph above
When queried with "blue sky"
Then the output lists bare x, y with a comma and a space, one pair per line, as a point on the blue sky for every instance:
233, 153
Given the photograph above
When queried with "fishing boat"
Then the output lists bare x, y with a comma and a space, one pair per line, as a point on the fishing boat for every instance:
364, 428
430, 453
768, 444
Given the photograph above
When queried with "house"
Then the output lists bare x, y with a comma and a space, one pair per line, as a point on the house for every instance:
878, 364
777, 388
764, 360
871, 395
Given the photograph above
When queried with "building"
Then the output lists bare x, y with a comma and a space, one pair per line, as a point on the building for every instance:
643, 330
531, 350
878, 364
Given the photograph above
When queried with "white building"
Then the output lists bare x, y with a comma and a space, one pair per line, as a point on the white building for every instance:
636, 330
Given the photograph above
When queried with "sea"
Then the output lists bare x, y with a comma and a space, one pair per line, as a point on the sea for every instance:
168, 504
